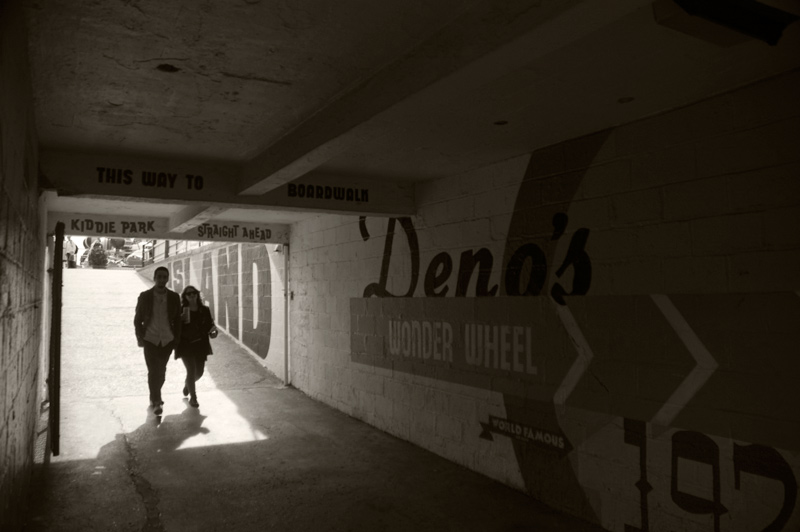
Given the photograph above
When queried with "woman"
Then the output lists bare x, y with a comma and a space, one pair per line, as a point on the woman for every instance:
194, 347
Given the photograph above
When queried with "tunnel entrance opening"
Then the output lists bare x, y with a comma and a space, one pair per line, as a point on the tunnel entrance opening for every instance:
244, 284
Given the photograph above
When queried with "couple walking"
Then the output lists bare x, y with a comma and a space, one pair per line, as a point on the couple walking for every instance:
164, 321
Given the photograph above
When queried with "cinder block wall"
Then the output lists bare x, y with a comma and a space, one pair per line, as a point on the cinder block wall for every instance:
243, 286
609, 324
21, 270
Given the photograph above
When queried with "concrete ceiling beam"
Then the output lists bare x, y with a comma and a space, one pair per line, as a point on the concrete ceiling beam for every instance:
193, 216
210, 188
158, 227
487, 26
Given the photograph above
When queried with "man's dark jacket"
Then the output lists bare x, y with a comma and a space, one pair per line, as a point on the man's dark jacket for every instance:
144, 311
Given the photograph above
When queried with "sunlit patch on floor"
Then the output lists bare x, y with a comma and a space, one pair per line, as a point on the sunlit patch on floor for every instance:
222, 423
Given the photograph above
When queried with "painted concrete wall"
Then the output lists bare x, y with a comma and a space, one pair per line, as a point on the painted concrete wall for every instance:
21, 270
243, 286
609, 324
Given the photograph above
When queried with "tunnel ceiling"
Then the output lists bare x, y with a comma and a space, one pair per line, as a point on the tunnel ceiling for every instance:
259, 94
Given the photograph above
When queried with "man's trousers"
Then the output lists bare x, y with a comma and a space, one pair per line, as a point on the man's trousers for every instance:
156, 358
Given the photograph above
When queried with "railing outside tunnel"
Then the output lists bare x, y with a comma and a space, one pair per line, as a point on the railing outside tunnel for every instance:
163, 249
123, 252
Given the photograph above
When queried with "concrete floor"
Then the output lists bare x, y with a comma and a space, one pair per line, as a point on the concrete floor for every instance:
255, 456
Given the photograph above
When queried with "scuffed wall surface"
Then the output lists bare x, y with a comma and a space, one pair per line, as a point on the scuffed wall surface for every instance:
609, 324
243, 286
21, 270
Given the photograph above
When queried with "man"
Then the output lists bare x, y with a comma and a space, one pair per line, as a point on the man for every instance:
158, 330
70, 249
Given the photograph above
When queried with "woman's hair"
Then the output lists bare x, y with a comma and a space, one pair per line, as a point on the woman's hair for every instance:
185, 301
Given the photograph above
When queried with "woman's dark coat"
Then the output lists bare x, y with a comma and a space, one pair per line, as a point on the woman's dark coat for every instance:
202, 345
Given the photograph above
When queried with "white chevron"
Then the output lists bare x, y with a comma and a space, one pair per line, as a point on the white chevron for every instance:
581, 363
705, 367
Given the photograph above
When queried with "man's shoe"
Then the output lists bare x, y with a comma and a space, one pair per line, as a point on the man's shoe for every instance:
193, 402
158, 410
185, 391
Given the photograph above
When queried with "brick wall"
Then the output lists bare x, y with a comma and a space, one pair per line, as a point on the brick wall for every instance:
609, 324
243, 286
21, 270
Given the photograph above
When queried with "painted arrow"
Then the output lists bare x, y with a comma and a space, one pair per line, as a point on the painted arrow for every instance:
581, 363
705, 367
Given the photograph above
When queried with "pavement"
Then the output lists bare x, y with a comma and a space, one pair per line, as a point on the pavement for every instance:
256, 455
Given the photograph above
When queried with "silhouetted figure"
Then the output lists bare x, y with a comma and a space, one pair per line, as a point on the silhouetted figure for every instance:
158, 327
194, 347
70, 251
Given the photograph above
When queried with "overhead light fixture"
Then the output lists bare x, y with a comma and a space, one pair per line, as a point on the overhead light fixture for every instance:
724, 22
166, 67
